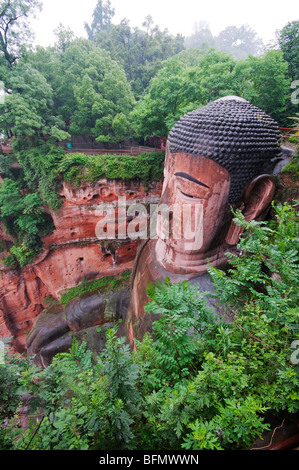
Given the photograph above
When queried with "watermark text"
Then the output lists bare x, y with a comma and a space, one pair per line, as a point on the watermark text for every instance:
295, 354
137, 221
2, 353
2, 93
294, 95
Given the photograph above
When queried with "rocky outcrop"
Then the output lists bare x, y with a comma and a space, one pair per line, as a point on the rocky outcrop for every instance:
71, 253
85, 318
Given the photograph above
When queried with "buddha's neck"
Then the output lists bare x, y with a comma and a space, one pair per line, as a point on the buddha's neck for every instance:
185, 263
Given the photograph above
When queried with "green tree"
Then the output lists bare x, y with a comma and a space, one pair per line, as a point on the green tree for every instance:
64, 38
14, 30
140, 51
202, 36
121, 127
24, 219
10, 393
240, 42
101, 19
193, 78
14, 35
158, 109
267, 85
288, 39
181, 311
89, 88
62, 66
178, 88
101, 95
214, 73
28, 112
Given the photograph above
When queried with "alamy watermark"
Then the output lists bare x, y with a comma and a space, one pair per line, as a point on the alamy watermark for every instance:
294, 95
2, 93
2, 353
136, 221
295, 354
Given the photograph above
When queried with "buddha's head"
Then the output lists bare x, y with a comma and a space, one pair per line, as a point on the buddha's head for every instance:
218, 157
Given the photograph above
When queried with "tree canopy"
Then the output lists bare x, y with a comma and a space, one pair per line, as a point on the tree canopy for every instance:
124, 80
288, 39
101, 19
14, 30
180, 87
28, 112
139, 51
240, 42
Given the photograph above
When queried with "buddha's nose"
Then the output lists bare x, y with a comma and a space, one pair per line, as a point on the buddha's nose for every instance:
165, 197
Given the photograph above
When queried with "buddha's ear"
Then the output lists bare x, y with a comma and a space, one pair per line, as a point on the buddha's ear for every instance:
257, 198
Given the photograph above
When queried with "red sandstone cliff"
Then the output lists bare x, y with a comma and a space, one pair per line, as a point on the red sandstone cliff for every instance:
72, 252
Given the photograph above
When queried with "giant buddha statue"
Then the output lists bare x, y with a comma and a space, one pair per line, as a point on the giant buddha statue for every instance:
218, 158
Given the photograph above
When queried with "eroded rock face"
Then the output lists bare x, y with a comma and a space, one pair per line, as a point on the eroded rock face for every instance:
56, 326
71, 253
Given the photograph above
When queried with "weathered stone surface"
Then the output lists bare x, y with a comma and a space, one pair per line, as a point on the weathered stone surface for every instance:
72, 252
56, 326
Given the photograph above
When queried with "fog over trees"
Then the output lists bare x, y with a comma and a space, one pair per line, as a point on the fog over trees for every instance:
124, 80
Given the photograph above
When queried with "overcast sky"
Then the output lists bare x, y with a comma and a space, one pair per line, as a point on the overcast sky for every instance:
264, 16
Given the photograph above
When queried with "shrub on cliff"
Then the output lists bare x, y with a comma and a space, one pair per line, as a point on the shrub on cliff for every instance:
24, 219
40, 167
23, 197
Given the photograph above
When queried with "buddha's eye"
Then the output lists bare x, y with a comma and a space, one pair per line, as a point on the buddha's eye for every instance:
189, 195
191, 188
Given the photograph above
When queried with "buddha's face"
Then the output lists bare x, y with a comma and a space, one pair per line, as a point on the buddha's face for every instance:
198, 189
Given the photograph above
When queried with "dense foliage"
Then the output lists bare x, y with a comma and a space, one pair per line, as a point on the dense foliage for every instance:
28, 112
194, 78
204, 383
25, 197
25, 220
140, 52
288, 39
14, 30
289, 42
124, 80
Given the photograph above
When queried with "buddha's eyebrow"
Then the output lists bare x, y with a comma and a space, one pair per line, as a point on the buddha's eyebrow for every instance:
190, 178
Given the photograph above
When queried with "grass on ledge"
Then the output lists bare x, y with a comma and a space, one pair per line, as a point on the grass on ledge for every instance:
104, 284
78, 168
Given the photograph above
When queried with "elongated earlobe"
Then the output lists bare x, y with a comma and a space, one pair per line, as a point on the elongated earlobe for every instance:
256, 202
